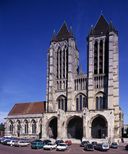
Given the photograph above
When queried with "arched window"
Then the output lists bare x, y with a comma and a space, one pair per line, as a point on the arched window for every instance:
81, 101
33, 127
95, 57
101, 57
11, 127
62, 103
26, 127
101, 102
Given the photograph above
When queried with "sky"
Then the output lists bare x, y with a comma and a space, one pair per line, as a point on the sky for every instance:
26, 28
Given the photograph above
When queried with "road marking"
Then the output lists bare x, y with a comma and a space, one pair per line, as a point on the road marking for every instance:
83, 150
69, 150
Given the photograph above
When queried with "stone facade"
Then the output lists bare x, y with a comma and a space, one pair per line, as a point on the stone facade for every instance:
24, 126
82, 105
91, 98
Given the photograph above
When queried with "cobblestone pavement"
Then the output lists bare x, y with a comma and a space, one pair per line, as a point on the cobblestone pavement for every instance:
73, 149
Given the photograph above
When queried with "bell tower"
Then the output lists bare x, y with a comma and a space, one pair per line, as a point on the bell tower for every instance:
103, 82
63, 59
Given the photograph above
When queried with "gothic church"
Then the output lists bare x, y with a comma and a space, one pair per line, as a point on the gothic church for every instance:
77, 105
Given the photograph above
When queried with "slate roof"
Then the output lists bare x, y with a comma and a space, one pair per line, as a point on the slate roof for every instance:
102, 27
63, 34
27, 108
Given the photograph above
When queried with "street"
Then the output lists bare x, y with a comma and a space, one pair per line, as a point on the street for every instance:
73, 149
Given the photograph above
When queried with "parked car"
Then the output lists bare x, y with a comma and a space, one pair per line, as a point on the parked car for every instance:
6, 141
83, 143
68, 142
102, 147
62, 147
94, 144
89, 147
37, 144
1, 139
11, 142
126, 147
58, 141
46, 141
114, 145
49, 146
21, 143
37, 140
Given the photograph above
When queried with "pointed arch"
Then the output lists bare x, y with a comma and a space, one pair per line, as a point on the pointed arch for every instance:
33, 126
99, 127
81, 101
52, 127
96, 57
75, 127
11, 126
101, 101
26, 126
62, 102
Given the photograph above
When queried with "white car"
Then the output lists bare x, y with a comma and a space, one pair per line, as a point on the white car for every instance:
11, 142
21, 143
62, 147
49, 146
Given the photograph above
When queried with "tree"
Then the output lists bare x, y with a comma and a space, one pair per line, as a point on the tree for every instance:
2, 127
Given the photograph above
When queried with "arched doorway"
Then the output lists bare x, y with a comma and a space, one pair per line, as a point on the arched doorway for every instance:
75, 128
99, 127
52, 128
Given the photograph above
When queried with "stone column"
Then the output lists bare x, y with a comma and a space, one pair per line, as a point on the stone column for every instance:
44, 126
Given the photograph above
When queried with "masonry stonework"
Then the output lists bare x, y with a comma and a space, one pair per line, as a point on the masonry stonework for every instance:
77, 104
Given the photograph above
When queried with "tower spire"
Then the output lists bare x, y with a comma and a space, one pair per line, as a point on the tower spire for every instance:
54, 35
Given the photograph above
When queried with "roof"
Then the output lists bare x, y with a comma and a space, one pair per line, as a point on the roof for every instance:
63, 34
28, 108
102, 27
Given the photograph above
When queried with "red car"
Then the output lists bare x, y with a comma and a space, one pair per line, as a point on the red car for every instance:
68, 142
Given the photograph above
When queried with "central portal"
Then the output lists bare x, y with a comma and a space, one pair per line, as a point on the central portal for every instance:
75, 128
99, 127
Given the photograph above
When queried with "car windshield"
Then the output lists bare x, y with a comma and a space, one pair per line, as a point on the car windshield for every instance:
49, 144
62, 145
105, 145
90, 146
114, 143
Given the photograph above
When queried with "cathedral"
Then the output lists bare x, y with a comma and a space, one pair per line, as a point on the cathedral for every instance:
77, 104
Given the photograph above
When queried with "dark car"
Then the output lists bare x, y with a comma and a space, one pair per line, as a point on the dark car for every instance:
37, 141
84, 143
46, 141
5, 141
126, 147
89, 147
59, 141
102, 147
94, 144
37, 144
114, 145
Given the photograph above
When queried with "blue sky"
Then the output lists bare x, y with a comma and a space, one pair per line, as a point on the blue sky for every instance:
26, 27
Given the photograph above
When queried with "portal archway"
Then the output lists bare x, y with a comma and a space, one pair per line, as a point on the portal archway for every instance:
99, 127
75, 128
52, 128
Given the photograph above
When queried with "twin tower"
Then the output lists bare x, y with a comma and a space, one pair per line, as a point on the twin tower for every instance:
84, 105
